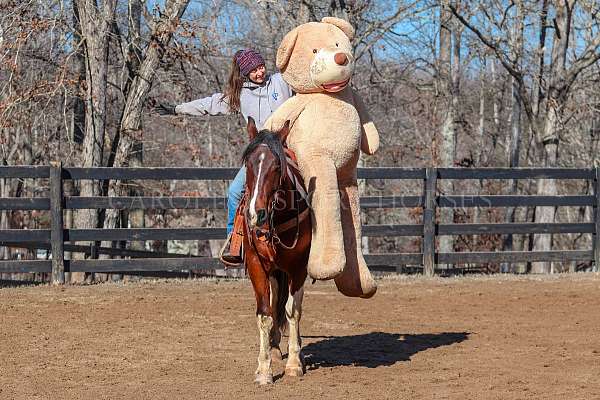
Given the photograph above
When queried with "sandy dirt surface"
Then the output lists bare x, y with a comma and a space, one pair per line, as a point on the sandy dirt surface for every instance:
418, 338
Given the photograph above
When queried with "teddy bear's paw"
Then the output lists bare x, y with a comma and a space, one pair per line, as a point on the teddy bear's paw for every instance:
326, 267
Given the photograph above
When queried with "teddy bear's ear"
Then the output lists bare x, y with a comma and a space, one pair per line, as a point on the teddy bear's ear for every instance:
284, 51
342, 24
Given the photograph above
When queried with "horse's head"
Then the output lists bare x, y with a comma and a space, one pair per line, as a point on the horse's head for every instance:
265, 171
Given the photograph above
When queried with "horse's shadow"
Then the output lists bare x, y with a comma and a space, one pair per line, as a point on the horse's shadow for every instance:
373, 349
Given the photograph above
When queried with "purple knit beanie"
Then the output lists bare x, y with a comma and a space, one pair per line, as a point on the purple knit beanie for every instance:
247, 60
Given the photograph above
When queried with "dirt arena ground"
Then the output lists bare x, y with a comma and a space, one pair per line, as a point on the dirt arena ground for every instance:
459, 338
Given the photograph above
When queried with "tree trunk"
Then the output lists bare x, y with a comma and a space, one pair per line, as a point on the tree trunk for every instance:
515, 127
537, 95
134, 54
95, 29
513, 162
549, 139
130, 125
547, 187
136, 217
496, 106
78, 112
449, 60
129, 134
480, 154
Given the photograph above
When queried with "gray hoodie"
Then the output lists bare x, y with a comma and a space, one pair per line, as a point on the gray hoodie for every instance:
256, 101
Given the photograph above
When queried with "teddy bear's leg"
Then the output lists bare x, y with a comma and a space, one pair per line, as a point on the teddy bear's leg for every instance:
356, 280
326, 259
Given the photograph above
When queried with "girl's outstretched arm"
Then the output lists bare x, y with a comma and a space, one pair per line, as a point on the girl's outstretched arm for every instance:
212, 105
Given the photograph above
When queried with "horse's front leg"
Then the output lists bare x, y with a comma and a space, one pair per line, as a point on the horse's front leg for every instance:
264, 374
264, 319
275, 336
293, 312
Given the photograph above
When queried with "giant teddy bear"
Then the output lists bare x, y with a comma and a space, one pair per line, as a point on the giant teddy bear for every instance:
329, 127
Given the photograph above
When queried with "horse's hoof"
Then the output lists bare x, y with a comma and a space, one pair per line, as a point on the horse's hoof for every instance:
264, 379
294, 371
276, 354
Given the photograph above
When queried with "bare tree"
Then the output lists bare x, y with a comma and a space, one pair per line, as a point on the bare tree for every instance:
555, 89
449, 71
513, 149
95, 23
129, 134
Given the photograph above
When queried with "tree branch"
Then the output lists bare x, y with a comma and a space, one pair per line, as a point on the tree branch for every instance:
506, 63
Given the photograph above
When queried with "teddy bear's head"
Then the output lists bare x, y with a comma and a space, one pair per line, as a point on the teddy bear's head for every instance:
317, 56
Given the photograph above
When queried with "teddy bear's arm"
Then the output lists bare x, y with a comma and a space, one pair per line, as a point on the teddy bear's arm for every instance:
289, 111
369, 142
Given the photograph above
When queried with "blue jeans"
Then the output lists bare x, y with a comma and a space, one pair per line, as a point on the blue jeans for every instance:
234, 196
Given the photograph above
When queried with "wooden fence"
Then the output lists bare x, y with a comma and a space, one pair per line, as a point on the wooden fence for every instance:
140, 261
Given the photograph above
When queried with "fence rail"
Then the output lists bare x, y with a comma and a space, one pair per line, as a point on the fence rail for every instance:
429, 201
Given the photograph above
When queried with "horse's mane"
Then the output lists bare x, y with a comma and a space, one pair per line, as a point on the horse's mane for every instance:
273, 142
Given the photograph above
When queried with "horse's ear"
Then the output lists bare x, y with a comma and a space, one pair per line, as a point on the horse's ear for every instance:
252, 131
285, 131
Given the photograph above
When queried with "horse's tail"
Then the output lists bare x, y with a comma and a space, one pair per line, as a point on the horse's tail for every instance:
283, 292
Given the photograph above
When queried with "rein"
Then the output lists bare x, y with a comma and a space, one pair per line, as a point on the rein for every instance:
275, 239
272, 235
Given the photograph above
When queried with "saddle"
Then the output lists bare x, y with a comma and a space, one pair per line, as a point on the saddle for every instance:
237, 235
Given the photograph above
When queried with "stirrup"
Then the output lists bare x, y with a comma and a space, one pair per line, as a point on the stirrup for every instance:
233, 260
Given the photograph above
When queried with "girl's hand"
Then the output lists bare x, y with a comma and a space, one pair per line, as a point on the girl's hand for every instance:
164, 109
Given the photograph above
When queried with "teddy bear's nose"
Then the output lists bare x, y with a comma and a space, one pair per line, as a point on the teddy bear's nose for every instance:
340, 59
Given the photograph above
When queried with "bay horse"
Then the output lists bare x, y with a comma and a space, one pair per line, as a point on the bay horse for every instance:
277, 234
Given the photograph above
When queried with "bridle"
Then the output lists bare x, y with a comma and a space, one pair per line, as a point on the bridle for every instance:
270, 236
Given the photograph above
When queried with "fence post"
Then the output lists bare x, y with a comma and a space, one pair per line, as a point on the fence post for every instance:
596, 236
429, 222
56, 223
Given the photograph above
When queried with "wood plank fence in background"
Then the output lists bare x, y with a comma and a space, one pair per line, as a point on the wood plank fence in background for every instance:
141, 261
